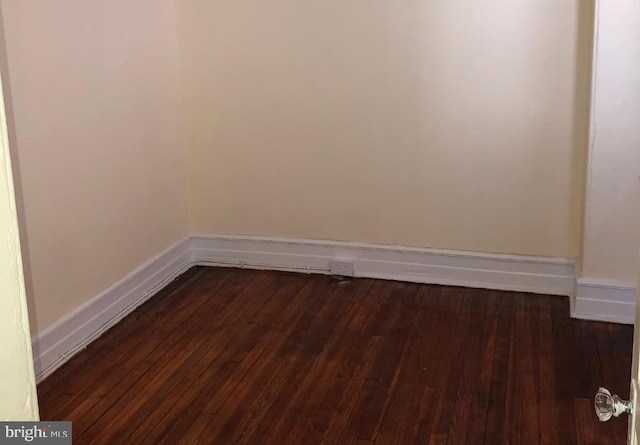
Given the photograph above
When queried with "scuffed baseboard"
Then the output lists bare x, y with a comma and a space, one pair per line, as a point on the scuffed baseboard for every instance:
482, 270
72, 333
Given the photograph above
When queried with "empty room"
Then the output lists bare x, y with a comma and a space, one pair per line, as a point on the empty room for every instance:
330, 222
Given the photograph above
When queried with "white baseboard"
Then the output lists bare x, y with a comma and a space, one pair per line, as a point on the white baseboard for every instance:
482, 270
605, 300
56, 344
72, 333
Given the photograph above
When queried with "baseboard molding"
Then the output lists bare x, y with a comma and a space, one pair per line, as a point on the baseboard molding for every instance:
605, 300
69, 335
74, 332
481, 270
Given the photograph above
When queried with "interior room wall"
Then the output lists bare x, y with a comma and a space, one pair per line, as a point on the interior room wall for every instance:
96, 109
430, 125
427, 124
612, 211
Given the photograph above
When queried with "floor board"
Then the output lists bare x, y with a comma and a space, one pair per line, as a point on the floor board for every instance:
227, 356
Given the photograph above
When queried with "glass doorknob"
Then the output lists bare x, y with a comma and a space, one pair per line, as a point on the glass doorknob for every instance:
607, 405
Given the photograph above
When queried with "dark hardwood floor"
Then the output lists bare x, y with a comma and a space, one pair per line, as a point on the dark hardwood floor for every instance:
226, 356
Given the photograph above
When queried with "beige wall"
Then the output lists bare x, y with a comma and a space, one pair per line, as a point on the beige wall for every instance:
427, 124
612, 217
18, 400
415, 123
95, 97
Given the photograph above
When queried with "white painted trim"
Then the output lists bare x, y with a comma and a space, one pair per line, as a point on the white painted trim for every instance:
605, 300
73, 332
56, 344
482, 270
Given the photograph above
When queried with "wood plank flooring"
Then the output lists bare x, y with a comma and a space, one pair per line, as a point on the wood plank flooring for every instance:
227, 356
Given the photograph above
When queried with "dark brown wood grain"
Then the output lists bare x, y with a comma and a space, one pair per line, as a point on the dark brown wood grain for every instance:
226, 356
